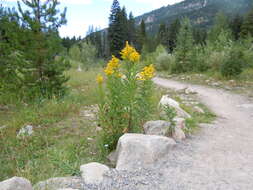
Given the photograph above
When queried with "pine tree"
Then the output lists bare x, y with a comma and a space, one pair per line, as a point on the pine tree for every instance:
172, 32
199, 36
236, 26
11, 59
131, 30
184, 47
162, 36
45, 71
247, 26
141, 36
221, 26
117, 32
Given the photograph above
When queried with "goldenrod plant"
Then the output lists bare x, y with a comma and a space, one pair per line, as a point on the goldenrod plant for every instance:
125, 96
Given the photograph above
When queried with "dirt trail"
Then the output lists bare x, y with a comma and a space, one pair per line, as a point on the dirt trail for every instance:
220, 156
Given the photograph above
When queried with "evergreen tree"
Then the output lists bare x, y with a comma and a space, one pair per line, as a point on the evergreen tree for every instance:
11, 59
142, 36
184, 47
131, 30
172, 32
199, 36
236, 26
247, 26
163, 37
117, 32
221, 26
45, 71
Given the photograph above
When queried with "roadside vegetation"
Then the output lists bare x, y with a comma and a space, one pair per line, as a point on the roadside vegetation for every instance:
224, 55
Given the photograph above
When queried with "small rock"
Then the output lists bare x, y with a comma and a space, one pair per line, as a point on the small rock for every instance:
190, 91
25, 131
93, 173
178, 134
198, 109
90, 139
215, 84
16, 183
227, 88
167, 101
138, 151
159, 127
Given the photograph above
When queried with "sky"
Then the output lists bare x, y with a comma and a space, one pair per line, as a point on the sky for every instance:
83, 13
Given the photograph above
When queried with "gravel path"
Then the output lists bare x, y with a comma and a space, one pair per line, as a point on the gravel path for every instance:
221, 155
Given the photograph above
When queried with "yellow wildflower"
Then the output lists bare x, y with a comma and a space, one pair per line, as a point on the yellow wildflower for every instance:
100, 79
129, 53
112, 66
113, 63
134, 57
109, 70
147, 73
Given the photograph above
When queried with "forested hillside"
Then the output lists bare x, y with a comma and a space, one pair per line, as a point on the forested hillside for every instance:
201, 12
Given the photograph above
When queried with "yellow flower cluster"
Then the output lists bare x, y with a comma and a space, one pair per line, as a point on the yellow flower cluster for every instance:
100, 79
147, 73
112, 66
129, 53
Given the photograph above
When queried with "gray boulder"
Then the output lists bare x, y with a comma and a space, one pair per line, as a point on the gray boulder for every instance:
16, 183
93, 173
159, 127
136, 151
59, 183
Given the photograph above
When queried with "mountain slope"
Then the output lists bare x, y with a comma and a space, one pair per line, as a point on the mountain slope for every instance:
201, 12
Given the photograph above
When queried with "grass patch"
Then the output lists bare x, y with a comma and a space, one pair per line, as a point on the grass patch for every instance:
59, 144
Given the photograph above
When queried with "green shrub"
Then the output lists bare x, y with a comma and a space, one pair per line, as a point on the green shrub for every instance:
164, 62
233, 65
